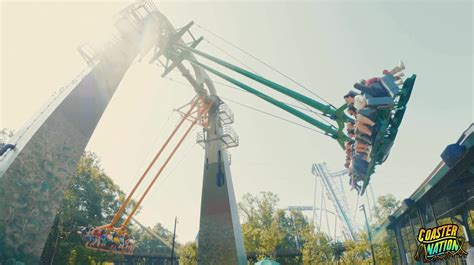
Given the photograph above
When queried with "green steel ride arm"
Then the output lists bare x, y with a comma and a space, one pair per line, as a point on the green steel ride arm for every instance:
389, 122
328, 129
328, 110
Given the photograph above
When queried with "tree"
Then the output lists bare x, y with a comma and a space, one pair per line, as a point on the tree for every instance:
384, 242
90, 199
338, 250
317, 249
93, 198
262, 232
385, 247
357, 251
151, 241
188, 254
285, 236
386, 205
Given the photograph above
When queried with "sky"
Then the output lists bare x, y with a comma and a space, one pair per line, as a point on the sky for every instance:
326, 45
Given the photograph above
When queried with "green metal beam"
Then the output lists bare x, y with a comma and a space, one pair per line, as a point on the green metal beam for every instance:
326, 109
328, 129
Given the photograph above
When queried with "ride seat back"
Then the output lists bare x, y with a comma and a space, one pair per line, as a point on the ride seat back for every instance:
380, 103
388, 82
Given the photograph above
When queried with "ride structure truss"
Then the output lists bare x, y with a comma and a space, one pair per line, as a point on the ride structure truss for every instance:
60, 131
337, 196
388, 118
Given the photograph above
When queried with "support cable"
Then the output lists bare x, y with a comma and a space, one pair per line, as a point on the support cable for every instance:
303, 106
327, 110
230, 55
127, 200
54, 97
273, 115
255, 109
243, 91
158, 134
331, 130
263, 62
183, 137
186, 154
159, 172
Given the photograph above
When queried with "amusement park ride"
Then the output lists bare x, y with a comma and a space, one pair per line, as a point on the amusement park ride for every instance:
66, 125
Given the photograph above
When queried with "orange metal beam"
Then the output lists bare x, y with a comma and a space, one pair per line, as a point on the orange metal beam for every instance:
127, 200
203, 110
159, 172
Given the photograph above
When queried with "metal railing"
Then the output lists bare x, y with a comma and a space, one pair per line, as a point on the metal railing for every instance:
225, 114
228, 138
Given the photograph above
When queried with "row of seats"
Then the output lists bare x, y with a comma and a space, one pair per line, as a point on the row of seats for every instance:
365, 108
113, 240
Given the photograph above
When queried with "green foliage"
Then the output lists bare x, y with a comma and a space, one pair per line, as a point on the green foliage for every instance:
317, 249
385, 248
384, 242
147, 243
285, 237
357, 252
93, 198
90, 199
386, 205
262, 230
289, 238
338, 250
188, 254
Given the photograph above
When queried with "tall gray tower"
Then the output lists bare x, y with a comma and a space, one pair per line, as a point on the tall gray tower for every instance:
220, 237
35, 174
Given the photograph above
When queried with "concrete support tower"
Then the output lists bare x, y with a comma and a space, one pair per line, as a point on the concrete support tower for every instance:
220, 237
35, 174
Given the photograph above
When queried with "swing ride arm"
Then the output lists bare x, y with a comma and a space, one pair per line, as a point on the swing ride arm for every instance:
330, 130
176, 51
389, 109
327, 110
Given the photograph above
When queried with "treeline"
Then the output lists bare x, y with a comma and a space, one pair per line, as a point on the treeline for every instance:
92, 199
285, 236
290, 238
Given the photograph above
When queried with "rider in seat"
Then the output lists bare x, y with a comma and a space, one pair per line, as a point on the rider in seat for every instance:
5, 147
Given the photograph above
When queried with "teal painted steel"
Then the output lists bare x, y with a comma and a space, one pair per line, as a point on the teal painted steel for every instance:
327, 110
389, 121
328, 129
